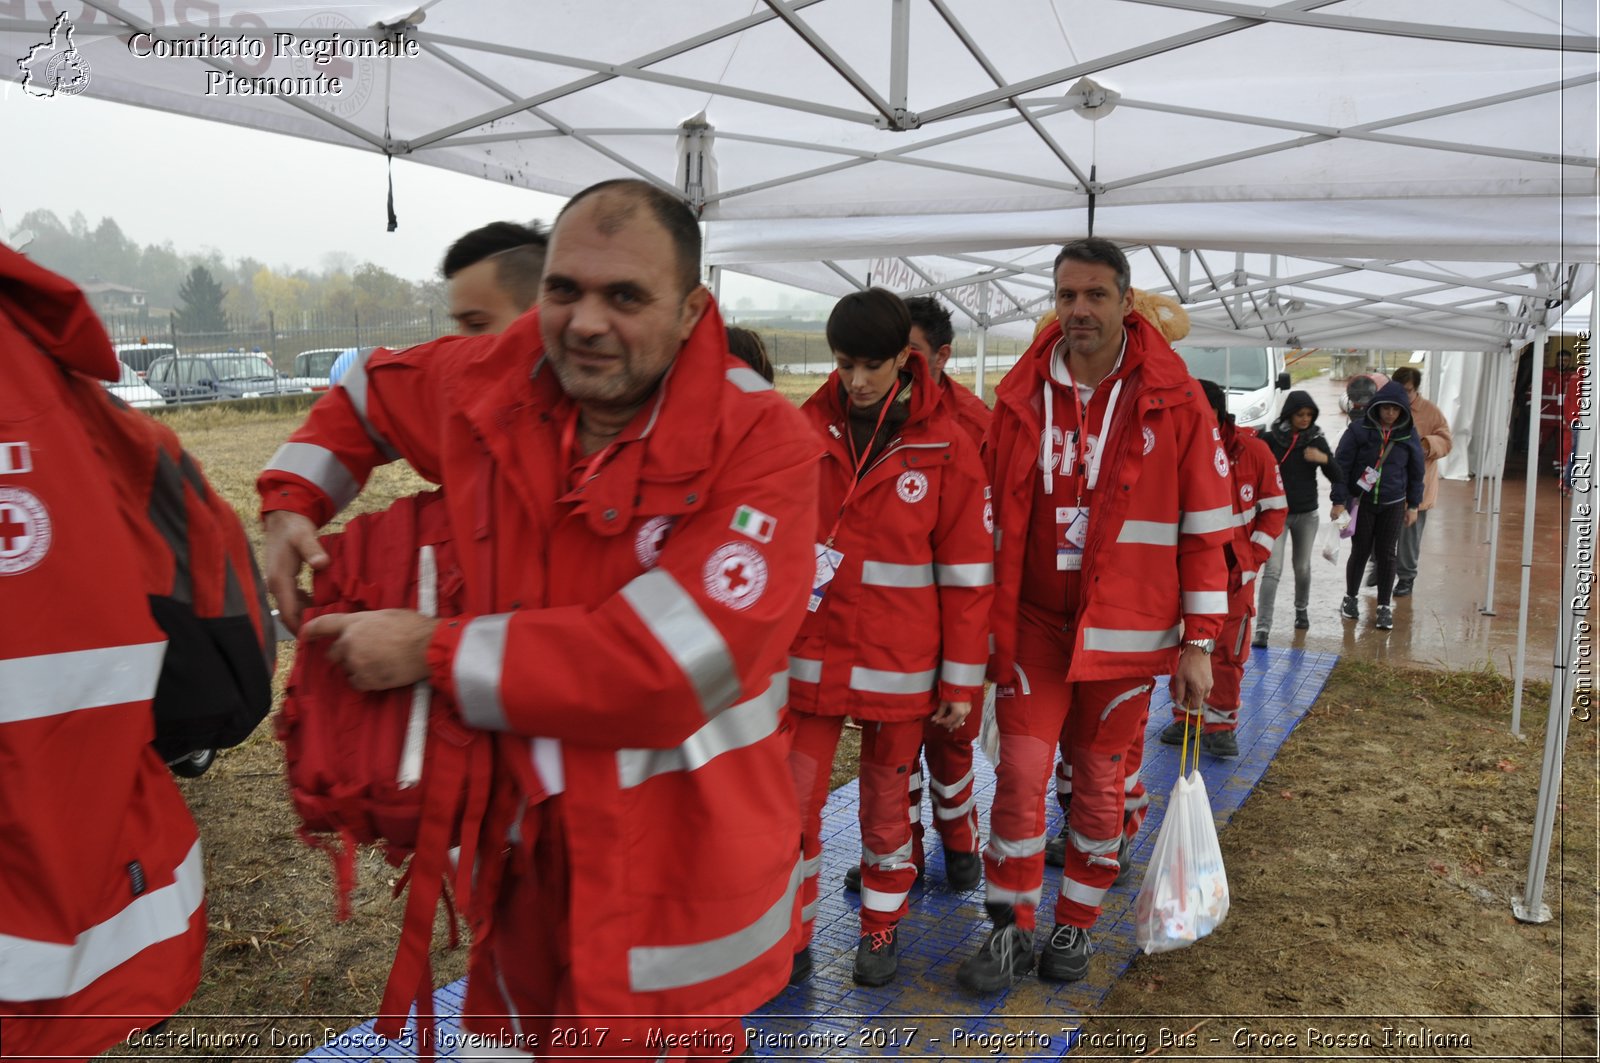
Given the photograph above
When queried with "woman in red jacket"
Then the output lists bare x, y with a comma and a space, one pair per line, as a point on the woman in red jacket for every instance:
898, 627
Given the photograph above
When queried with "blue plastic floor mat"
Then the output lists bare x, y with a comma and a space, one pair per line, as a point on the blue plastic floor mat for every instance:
924, 1014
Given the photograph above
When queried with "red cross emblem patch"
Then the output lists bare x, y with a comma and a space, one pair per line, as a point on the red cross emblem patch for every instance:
913, 486
736, 575
24, 530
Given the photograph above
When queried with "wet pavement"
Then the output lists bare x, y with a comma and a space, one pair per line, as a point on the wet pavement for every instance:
1442, 624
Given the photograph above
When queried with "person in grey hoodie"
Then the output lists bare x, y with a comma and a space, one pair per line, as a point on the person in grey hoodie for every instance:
1301, 449
1380, 461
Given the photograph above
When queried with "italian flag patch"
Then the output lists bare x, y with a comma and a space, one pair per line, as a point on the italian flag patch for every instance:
750, 521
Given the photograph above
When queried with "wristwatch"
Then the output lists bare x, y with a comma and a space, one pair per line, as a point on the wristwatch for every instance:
1205, 646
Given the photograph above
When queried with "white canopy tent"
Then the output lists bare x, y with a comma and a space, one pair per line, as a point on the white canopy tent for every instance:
1316, 172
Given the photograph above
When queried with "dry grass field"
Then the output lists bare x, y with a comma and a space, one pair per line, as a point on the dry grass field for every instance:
1372, 872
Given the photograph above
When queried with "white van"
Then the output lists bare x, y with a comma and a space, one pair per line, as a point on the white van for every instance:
1254, 378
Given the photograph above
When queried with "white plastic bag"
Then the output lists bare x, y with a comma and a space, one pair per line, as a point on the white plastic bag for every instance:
1185, 891
1332, 536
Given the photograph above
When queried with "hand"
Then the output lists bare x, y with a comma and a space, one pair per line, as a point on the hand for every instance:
378, 650
1427, 448
1411, 517
1191, 680
289, 541
1315, 456
952, 714
1336, 513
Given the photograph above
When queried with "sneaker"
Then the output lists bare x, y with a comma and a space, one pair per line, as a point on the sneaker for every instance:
1260, 641
1220, 743
1172, 733
1055, 850
876, 961
1385, 620
1350, 609
1066, 955
1005, 956
1302, 620
1402, 588
963, 871
800, 966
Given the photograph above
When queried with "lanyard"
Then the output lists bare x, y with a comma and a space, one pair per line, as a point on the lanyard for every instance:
1088, 461
1292, 441
569, 447
1080, 442
850, 437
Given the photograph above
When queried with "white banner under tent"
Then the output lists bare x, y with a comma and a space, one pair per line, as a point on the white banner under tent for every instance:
1444, 145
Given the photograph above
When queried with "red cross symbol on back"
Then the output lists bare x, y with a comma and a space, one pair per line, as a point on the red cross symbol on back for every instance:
11, 529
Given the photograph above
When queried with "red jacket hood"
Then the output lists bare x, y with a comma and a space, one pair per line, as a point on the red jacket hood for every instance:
54, 312
1148, 352
827, 404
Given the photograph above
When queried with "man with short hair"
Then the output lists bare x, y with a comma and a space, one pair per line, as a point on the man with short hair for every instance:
492, 275
636, 507
1112, 503
932, 333
1433, 432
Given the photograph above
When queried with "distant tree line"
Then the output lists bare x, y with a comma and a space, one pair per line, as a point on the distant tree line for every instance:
244, 289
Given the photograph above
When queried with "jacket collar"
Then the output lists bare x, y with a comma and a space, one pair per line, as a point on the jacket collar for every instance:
1147, 354
827, 403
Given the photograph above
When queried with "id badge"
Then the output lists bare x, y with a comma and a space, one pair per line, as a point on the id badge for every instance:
1368, 478
1072, 529
827, 567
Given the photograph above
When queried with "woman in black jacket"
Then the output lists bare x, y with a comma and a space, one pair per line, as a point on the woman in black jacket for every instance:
1301, 449
1380, 459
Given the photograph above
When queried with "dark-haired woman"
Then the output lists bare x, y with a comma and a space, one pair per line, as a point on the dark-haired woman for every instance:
898, 628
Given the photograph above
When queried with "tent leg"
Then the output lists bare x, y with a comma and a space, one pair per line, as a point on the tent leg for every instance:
1480, 447
983, 343
1519, 671
1498, 456
716, 283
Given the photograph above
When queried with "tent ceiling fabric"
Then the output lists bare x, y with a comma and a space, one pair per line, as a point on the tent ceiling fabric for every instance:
857, 129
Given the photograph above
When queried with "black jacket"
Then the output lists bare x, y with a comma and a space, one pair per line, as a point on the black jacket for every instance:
1401, 476
1289, 446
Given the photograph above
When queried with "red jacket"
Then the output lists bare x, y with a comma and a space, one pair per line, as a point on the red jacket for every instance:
904, 622
1259, 507
1160, 515
634, 627
969, 411
102, 895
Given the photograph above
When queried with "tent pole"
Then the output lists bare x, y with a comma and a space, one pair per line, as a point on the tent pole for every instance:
716, 283
1502, 437
983, 338
1479, 447
1519, 672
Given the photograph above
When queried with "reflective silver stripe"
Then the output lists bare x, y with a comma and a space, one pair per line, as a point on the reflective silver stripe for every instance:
975, 574
1134, 804
1022, 680
1004, 848
994, 893
318, 465
1211, 715
889, 574
895, 861
54, 684
941, 812
958, 674
873, 681
1073, 890
48, 970
809, 912
914, 782
812, 867
652, 968
1116, 640
1248, 577
1205, 602
690, 639
805, 670
1148, 533
1202, 521
1094, 846
1274, 502
1122, 697
876, 901
746, 379
354, 383
736, 727
1131, 782
480, 658
1262, 539
954, 788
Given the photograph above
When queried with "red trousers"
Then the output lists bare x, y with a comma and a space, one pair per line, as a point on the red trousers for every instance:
1101, 720
950, 778
889, 757
1135, 799
1227, 665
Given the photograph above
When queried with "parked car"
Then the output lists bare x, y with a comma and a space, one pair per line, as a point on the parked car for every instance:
141, 354
204, 377
317, 365
131, 388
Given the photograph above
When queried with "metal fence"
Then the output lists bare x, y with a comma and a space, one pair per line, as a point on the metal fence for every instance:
281, 337
792, 351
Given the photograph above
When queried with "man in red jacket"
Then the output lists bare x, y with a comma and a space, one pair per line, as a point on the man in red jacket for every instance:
1260, 510
102, 889
1111, 497
638, 509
